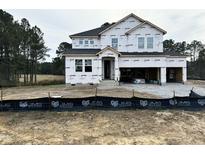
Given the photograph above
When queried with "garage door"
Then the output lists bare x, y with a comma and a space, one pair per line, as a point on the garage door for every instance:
174, 75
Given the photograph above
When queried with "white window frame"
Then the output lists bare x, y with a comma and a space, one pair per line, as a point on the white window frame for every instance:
88, 65
152, 45
80, 42
91, 41
77, 65
86, 44
114, 44
138, 40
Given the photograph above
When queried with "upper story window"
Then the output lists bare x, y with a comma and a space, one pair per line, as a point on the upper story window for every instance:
86, 42
114, 43
81, 42
141, 42
78, 65
91, 42
149, 42
88, 65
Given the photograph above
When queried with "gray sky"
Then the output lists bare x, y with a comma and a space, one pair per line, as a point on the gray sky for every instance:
57, 25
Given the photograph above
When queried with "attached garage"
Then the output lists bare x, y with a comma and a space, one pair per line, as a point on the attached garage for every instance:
149, 75
174, 75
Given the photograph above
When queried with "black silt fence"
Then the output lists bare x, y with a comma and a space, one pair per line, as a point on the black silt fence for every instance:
99, 102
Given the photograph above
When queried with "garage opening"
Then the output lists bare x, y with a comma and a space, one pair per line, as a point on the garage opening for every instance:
174, 75
140, 75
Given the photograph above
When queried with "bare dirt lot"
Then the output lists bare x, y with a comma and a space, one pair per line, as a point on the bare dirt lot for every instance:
69, 92
103, 127
98, 126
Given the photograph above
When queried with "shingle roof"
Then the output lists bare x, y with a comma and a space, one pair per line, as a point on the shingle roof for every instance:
95, 51
97, 31
153, 53
92, 32
82, 51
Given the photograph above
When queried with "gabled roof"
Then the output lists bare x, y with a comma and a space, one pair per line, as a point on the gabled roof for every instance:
130, 15
98, 31
109, 48
145, 22
93, 32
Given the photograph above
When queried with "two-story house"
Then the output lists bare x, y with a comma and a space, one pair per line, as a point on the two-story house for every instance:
127, 50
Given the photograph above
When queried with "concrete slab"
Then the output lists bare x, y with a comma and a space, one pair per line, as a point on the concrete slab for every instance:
167, 90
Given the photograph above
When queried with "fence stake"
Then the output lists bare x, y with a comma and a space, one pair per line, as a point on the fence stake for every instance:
1, 94
133, 93
96, 91
49, 96
174, 93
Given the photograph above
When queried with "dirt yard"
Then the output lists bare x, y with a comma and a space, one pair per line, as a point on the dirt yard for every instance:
69, 92
98, 126
103, 127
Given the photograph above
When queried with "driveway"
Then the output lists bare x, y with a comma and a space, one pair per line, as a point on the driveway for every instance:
167, 91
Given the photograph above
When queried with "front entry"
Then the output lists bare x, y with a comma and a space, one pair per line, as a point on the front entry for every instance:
107, 69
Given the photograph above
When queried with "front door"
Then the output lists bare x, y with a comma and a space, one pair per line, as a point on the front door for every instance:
107, 69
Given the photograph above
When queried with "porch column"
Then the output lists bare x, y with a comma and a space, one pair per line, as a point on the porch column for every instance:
184, 74
100, 68
163, 75
117, 77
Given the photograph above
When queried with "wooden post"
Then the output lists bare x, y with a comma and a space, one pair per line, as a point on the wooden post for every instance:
1, 94
49, 96
96, 91
174, 93
133, 93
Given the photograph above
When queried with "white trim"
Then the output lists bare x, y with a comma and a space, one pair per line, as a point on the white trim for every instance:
108, 48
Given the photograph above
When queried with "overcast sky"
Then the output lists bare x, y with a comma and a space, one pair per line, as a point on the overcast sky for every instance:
57, 25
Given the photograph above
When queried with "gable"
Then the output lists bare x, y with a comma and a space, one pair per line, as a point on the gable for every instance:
124, 24
108, 51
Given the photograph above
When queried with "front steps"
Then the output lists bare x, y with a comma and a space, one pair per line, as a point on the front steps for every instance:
109, 83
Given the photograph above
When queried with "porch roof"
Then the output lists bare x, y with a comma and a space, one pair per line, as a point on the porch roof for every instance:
95, 51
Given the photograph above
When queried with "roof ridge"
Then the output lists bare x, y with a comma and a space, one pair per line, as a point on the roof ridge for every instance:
129, 15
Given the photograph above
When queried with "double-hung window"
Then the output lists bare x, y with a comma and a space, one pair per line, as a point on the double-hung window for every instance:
114, 43
88, 65
78, 65
149, 42
141, 42
81, 42
86, 42
91, 42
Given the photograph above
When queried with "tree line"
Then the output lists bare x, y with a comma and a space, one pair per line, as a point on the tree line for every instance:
21, 48
57, 66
